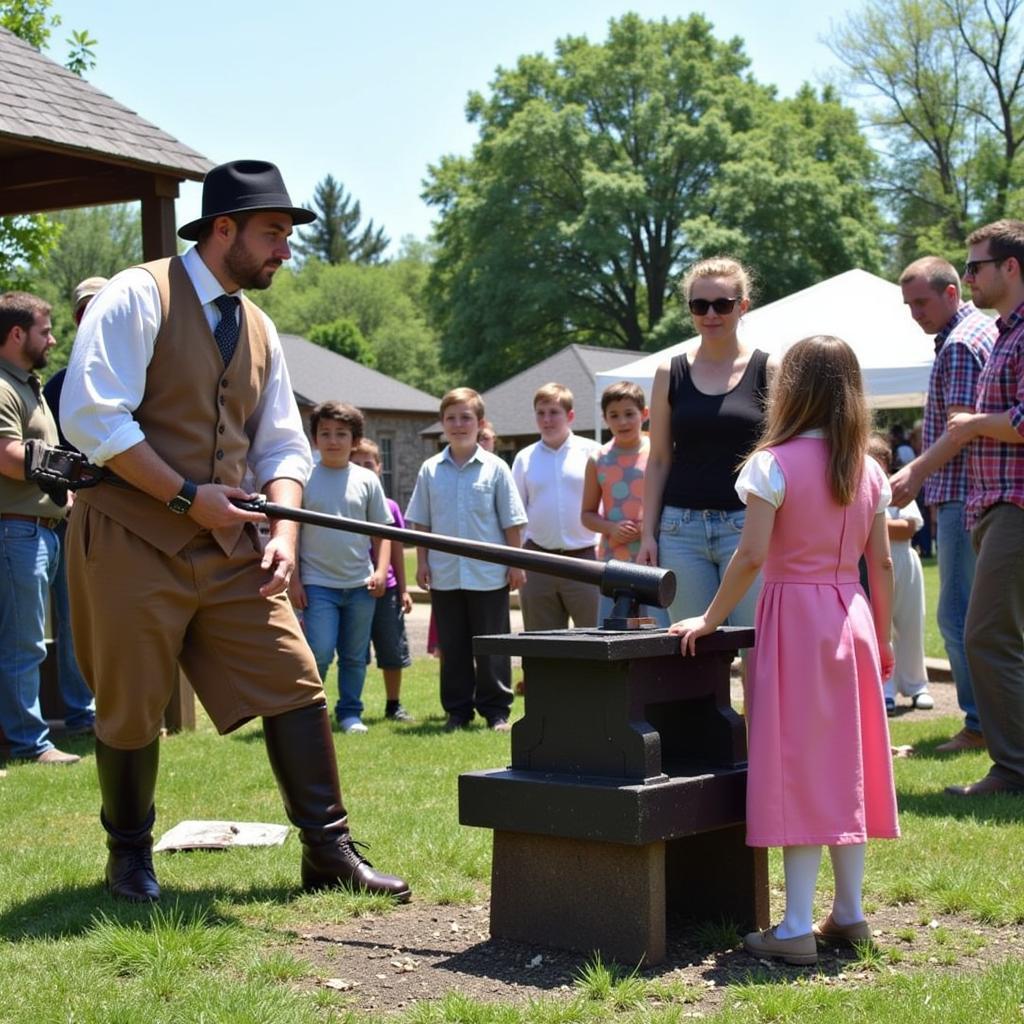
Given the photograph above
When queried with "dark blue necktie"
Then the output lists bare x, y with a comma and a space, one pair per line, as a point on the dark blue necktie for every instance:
226, 332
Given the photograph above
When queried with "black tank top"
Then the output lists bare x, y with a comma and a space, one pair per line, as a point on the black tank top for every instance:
711, 434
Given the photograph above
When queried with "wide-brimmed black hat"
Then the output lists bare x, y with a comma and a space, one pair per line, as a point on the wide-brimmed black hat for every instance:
243, 186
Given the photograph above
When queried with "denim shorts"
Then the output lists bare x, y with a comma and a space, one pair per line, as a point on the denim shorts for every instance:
390, 641
696, 544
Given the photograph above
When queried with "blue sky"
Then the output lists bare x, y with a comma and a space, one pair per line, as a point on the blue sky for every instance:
372, 93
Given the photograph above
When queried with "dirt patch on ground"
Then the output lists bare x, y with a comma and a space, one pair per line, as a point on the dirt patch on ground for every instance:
423, 952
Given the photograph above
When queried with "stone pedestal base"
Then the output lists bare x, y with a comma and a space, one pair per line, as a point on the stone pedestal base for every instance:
574, 894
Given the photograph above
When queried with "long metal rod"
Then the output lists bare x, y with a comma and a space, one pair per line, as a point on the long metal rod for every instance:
648, 584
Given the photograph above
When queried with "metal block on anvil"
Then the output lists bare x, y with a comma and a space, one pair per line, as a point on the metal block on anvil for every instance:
625, 796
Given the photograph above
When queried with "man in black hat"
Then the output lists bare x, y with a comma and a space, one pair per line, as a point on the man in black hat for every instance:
177, 384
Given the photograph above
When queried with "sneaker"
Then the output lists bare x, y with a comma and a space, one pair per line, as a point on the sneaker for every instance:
455, 724
890, 706
965, 739
399, 715
842, 934
353, 725
499, 725
801, 950
923, 701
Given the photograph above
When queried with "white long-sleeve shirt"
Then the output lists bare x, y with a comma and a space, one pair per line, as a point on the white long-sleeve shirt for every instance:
550, 482
106, 377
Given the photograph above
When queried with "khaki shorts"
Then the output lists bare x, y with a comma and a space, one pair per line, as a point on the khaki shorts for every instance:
135, 612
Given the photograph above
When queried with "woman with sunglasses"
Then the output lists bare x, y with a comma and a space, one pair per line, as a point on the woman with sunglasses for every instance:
707, 412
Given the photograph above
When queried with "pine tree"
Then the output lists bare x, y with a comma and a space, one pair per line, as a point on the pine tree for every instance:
335, 236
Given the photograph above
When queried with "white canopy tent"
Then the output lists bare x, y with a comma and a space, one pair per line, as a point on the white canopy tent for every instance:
895, 354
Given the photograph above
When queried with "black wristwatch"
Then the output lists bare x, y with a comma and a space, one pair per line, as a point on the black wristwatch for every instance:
182, 501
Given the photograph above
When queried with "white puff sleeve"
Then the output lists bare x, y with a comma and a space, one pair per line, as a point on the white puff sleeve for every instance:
762, 477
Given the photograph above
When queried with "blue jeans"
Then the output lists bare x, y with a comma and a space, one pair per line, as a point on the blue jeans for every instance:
338, 619
696, 544
956, 577
79, 706
28, 564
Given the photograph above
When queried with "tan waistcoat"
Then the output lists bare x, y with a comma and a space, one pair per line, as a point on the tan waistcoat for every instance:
194, 413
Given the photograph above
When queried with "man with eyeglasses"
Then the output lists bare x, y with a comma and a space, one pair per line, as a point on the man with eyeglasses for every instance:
963, 341
994, 630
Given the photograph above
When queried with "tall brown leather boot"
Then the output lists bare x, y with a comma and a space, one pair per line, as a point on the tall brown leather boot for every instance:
301, 752
127, 787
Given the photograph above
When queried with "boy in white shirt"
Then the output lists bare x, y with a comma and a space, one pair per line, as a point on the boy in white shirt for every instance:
549, 475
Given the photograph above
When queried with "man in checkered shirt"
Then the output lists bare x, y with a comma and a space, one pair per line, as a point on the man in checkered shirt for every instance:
963, 341
994, 631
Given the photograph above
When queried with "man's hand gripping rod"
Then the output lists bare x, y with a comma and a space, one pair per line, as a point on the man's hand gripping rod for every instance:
628, 584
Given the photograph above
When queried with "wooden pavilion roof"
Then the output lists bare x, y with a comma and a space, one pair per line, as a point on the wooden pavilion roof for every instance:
64, 143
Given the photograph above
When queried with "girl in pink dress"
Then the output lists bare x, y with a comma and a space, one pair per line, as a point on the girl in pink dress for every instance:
820, 771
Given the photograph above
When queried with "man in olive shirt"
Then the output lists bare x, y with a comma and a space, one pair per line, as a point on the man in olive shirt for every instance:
28, 543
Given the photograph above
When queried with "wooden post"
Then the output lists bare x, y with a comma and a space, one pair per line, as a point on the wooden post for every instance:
158, 226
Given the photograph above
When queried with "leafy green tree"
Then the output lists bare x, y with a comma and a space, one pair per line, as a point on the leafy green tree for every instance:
384, 302
335, 236
25, 239
601, 172
794, 206
345, 338
946, 78
92, 242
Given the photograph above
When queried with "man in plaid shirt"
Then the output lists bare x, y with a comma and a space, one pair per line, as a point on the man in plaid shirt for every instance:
994, 630
963, 341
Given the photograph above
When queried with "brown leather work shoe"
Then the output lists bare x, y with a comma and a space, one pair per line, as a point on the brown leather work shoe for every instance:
55, 756
842, 934
985, 787
338, 863
965, 739
799, 950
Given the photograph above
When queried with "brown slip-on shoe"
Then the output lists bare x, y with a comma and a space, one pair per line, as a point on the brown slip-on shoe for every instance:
965, 739
842, 934
55, 756
985, 787
801, 950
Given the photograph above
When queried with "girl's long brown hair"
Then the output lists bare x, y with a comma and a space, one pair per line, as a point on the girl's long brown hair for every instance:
819, 387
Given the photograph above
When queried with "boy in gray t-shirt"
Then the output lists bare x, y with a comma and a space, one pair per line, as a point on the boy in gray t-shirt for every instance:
339, 580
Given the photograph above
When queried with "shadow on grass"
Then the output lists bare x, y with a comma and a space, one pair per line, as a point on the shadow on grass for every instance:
1002, 808
433, 726
74, 910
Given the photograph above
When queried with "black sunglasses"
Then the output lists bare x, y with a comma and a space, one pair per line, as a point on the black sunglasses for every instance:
700, 307
971, 266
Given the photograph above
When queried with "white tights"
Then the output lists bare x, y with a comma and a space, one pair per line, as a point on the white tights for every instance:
801, 865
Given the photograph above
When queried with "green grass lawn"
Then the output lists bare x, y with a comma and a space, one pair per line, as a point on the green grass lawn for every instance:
933, 645
217, 949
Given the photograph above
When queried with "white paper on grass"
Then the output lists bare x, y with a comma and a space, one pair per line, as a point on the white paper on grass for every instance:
220, 835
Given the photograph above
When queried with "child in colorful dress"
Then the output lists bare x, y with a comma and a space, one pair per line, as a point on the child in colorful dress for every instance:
820, 771
387, 633
613, 487
909, 676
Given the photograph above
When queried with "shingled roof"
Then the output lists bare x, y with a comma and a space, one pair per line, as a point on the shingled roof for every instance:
45, 104
509, 405
318, 374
